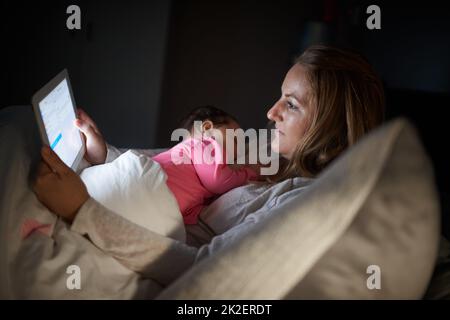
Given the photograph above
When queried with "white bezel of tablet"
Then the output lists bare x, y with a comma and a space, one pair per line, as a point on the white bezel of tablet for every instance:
41, 95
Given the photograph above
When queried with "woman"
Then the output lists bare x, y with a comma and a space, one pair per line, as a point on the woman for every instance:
329, 99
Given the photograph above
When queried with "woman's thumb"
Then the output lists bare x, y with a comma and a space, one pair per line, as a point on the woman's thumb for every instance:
53, 161
83, 126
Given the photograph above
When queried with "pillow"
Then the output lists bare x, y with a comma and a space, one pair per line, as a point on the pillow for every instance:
134, 186
439, 288
372, 217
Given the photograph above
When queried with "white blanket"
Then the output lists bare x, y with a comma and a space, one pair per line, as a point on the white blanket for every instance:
134, 186
36, 267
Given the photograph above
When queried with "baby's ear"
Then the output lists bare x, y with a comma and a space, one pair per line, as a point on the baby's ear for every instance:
207, 125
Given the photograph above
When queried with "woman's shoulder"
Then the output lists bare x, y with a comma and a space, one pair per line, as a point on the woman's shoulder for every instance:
262, 192
299, 182
233, 207
284, 185
293, 188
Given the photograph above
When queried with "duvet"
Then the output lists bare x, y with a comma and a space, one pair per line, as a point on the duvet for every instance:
38, 253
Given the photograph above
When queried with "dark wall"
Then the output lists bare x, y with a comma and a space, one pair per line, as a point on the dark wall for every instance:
412, 49
411, 52
115, 61
232, 54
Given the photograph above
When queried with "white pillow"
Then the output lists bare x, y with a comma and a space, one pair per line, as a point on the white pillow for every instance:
134, 186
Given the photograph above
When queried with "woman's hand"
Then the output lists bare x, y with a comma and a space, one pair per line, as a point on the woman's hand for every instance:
59, 188
95, 144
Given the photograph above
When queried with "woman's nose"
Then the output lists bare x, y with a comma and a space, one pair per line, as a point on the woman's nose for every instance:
274, 113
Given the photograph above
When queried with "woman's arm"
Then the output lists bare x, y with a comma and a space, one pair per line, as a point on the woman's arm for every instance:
141, 250
154, 256
137, 248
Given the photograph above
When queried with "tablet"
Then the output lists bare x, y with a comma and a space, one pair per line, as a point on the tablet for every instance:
54, 107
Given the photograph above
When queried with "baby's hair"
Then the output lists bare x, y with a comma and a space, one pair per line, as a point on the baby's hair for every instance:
216, 116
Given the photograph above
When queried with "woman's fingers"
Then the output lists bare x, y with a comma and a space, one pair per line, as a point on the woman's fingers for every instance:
95, 144
53, 161
43, 169
78, 124
84, 127
43, 175
84, 117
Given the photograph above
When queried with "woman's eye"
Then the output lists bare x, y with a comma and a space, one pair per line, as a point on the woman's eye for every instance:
291, 106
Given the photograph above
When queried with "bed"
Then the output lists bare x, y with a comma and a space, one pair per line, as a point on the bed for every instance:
378, 200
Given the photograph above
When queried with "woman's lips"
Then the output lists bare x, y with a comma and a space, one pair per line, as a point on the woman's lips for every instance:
279, 131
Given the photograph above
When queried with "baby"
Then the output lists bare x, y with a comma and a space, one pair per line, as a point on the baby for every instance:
151, 192
196, 168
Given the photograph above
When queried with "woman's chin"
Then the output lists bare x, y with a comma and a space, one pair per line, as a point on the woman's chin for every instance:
276, 148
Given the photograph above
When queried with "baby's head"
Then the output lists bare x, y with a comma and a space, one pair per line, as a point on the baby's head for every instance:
210, 118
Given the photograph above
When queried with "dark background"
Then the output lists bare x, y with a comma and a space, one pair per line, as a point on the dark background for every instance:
138, 66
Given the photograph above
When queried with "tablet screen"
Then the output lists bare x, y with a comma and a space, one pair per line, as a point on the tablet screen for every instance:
58, 115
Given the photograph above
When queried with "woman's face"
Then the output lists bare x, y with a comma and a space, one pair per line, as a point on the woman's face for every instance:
292, 112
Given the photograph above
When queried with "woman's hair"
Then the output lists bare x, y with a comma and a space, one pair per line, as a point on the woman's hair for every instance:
347, 100
216, 116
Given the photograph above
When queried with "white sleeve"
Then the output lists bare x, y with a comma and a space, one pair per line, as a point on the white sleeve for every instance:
139, 249
146, 252
111, 153
83, 165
